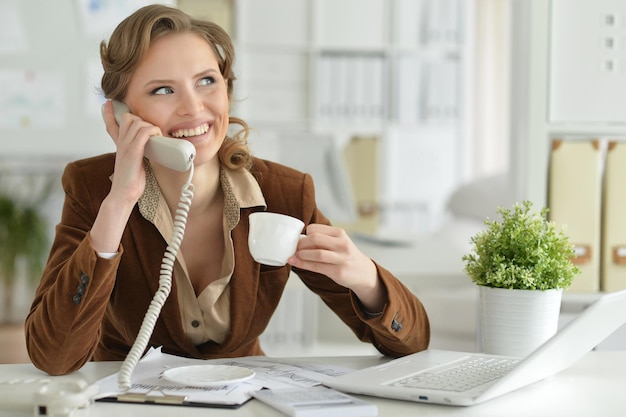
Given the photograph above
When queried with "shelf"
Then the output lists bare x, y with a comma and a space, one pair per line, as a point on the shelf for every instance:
587, 130
362, 67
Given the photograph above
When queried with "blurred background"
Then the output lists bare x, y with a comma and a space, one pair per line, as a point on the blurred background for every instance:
416, 118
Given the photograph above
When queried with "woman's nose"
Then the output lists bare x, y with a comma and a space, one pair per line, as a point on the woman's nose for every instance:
189, 104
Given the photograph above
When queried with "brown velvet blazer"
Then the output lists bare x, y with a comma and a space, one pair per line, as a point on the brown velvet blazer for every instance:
90, 308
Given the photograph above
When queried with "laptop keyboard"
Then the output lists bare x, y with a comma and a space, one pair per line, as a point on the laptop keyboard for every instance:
461, 376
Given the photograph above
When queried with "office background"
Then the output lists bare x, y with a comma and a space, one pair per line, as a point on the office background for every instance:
431, 114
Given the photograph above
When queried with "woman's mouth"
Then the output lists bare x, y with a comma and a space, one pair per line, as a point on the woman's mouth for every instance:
187, 133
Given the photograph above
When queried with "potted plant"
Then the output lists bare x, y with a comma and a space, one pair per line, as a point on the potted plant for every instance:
521, 264
24, 242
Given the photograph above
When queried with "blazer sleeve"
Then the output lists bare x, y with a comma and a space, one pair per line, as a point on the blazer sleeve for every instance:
63, 325
401, 329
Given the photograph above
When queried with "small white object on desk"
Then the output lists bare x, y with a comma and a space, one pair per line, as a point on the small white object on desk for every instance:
315, 402
208, 375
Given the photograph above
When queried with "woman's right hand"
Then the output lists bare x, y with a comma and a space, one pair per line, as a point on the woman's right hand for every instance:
129, 178
130, 139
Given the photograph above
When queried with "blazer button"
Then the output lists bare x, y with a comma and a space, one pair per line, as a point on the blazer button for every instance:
80, 290
195, 323
77, 298
396, 326
84, 279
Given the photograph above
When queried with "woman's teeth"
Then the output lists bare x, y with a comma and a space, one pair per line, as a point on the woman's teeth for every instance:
185, 133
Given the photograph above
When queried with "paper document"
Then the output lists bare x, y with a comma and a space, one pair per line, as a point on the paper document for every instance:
149, 386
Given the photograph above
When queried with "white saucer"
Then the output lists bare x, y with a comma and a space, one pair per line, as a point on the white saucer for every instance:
208, 375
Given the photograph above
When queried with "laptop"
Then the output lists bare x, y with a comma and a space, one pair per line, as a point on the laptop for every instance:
406, 378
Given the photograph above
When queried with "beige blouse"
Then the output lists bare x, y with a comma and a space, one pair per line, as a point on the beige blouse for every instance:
205, 317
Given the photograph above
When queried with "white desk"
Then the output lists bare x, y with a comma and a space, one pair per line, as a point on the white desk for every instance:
595, 386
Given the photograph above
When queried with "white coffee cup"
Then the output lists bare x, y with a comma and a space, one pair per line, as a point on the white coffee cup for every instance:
273, 237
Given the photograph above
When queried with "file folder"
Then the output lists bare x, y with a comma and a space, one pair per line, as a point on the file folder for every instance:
614, 219
575, 201
361, 157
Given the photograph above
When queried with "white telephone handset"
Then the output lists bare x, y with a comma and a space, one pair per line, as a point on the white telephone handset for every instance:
176, 154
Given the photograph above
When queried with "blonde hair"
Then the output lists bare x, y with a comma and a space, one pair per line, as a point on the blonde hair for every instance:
129, 44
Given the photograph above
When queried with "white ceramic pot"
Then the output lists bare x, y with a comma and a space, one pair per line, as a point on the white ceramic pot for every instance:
516, 322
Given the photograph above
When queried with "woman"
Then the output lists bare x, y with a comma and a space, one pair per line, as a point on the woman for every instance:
175, 75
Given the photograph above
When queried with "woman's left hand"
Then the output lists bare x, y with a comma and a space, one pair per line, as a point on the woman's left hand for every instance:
328, 250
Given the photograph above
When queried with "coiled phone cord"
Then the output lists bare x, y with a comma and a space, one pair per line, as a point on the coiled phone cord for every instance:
165, 286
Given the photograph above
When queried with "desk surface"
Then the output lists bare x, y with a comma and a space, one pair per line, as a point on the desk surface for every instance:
593, 386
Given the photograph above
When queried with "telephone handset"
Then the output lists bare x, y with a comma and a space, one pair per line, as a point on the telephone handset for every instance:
176, 154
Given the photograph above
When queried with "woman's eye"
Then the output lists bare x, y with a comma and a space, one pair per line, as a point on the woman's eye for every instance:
162, 90
207, 81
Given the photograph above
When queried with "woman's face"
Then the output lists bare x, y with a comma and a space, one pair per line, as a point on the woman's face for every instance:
178, 87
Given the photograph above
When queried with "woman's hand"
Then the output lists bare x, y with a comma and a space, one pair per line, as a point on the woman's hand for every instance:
329, 250
129, 178
130, 139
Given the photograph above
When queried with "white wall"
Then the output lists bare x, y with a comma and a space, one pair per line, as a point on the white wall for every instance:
47, 94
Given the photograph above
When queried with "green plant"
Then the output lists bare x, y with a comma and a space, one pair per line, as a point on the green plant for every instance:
523, 251
23, 241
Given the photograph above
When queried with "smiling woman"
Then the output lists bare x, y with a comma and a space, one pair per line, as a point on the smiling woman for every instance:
175, 74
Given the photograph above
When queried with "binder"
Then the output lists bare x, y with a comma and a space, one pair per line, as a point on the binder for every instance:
614, 219
361, 156
575, 201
